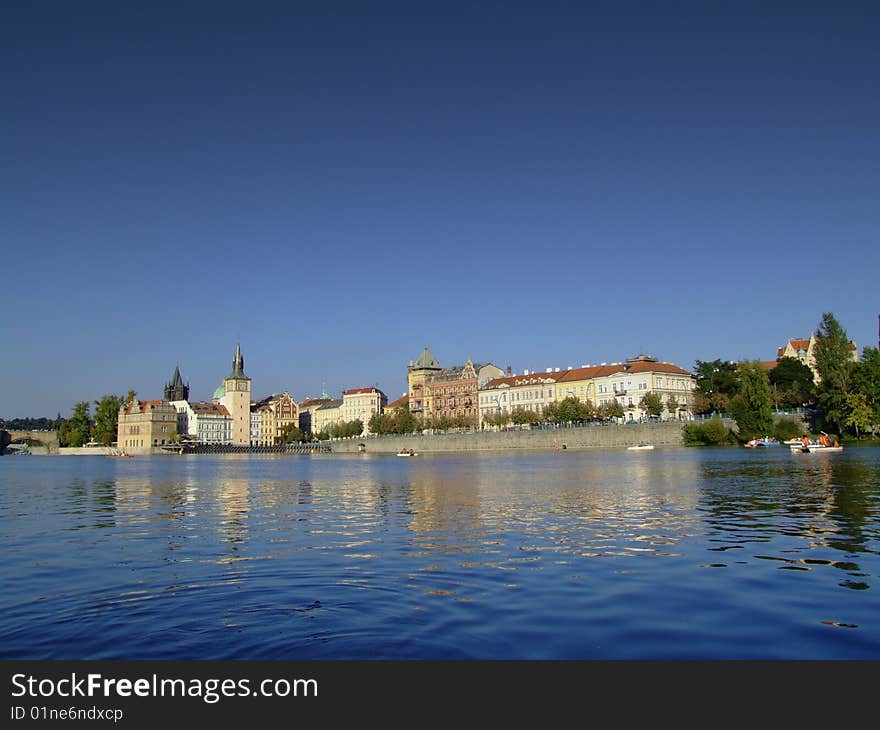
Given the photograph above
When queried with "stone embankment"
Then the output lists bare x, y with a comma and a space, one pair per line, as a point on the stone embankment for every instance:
586, 437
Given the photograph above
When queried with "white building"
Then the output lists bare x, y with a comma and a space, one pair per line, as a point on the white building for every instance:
361, 404
206, 423
529, 391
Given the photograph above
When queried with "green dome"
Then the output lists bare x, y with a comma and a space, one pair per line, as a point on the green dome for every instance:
219, 393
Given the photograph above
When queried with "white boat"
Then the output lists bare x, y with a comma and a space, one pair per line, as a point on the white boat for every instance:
407, 452
815, 449
641, 447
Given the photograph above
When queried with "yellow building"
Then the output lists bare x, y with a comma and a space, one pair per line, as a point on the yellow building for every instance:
805, 351
144, 425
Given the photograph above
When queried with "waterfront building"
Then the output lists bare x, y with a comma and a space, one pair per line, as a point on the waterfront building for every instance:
327, 415
805, 351
203, 422
307, 412
276, 413
629, 382
255, 424
453, 392
581, 383
235, 395
417, 374
531, 391
142, 425
361, 404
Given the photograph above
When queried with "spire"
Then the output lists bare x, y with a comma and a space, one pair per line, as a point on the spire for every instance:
238, 365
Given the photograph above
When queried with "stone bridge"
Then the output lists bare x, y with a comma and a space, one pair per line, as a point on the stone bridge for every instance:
49, 439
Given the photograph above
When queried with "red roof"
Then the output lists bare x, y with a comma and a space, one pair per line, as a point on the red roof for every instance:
209, 409
530, 379
770, 364
594, 371
656, 367
355, 391
142, 404
399, 402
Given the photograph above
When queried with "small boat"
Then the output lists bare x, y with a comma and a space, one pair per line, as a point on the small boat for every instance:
815, 449
760, 443
407, 452
641, 447
117, 454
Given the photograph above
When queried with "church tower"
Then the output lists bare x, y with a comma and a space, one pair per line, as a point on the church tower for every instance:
176, 390
237, 399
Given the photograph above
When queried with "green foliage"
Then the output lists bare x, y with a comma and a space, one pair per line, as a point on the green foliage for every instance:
752, 406
716, 377
792, 383
787, 428
860, 416
652, 404
291, 433
836, 369
710, 433
106, 418
613, 409
522, 416
866, 380
346, 429
672, 405
75, 430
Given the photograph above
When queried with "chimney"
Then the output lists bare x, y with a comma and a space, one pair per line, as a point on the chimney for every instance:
509, 371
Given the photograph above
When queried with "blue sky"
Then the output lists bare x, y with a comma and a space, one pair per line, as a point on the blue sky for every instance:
339, 185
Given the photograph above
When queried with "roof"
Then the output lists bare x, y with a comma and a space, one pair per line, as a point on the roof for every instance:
402, 401
596, 371
656, 367
355, 391
511, 381
308, 402
209, 409
770, 364
427, 360
142, 405
220, 392
330, 404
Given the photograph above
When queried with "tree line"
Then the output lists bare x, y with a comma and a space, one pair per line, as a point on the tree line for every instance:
83, 426
845, 400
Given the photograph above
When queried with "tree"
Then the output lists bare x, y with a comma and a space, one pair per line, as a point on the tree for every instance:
106, 418
405, 421
75, 430
866, 380
860, 415
752, 406
651, 403
716, 377
835, 366
290, 433
792, 383
672, 405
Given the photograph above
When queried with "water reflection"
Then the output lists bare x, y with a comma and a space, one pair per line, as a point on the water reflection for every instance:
576, 554
806, 510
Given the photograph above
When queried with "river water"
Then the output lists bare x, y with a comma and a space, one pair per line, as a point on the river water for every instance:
671, 554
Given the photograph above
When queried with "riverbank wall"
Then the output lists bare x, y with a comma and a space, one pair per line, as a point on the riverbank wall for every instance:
583, 437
